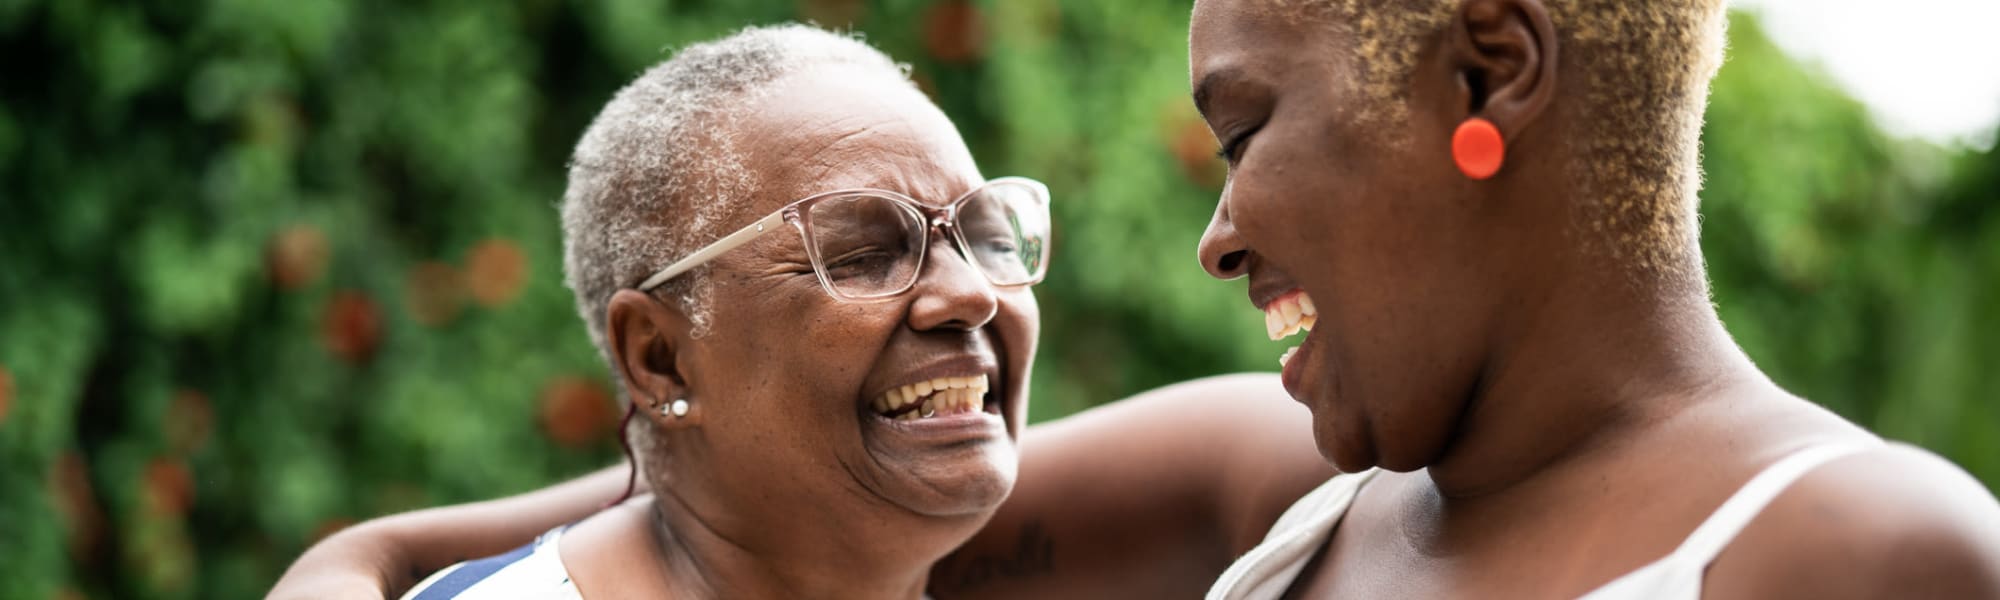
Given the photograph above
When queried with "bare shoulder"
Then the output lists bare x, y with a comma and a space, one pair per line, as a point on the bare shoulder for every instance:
1895, 521
614, 550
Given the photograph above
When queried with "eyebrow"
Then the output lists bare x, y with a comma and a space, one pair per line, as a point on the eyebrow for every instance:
1204, 92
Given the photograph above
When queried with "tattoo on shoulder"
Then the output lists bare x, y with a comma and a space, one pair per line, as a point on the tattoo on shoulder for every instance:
1033, 554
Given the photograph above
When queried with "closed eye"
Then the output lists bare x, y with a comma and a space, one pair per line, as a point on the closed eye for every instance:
996, 244
861, 257
789, 267
1232, 148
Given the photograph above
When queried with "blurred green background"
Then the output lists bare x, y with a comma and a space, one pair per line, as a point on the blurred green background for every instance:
267, 268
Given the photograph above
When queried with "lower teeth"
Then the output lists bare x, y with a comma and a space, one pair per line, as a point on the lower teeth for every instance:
1282, 360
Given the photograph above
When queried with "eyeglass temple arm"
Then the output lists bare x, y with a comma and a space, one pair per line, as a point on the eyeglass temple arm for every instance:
728, 242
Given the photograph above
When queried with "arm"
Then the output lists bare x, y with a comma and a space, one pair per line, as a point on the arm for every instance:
1164, 488
384, 556
1148, 497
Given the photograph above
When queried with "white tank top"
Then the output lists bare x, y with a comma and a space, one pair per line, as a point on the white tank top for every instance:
1268, 570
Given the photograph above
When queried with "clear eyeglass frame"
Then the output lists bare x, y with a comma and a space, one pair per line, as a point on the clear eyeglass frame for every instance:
943, 219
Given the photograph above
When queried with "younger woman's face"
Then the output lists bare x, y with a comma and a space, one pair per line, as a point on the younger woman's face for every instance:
1369, 224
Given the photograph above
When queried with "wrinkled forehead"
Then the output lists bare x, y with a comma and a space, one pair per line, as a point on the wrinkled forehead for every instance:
844, 127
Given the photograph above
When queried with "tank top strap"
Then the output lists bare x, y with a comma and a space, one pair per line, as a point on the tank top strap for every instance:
1266, 571
1714, 534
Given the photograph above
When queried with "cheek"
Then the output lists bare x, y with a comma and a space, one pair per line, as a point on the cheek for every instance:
836, 345
800, 349
1284, 201
1022, 314
1308, 201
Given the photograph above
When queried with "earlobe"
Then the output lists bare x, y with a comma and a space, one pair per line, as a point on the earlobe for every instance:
1504, 53
1478, 149
646, 339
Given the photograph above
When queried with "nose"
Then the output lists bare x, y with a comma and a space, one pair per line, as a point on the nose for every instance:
951, 292
1223, 253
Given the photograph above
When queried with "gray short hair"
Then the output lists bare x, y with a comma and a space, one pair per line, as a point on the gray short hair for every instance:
658, 173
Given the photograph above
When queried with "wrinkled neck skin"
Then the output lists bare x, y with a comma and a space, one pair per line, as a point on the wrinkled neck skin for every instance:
781, 556
1588, 357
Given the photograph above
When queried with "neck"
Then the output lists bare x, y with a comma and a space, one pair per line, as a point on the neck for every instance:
1593, 363
782, 557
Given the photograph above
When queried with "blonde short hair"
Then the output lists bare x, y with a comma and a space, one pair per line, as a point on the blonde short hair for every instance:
1638, 152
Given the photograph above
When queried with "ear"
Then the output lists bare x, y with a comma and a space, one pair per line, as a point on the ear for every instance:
649, 340
1504, 55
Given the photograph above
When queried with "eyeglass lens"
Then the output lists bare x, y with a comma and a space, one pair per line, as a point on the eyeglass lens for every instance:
872, 246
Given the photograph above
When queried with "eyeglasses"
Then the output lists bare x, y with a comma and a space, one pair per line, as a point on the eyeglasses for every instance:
868, 245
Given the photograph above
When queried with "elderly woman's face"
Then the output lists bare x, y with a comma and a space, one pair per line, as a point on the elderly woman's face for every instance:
788, 377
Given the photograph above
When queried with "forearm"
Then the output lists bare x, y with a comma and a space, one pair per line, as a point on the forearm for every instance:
388, 554
1146, 497
356, 563
1269, 460
1084, 519
434, 538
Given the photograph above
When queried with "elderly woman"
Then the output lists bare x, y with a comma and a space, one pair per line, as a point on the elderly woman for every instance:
820, 310
1488, 208
847, 368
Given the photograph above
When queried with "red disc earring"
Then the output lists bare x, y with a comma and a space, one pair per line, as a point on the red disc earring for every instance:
1477, 148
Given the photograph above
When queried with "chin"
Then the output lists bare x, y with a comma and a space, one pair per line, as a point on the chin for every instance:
1343, 442
972, 484
1410, 435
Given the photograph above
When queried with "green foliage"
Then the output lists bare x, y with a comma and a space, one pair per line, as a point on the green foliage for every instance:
266, 268
1860, 271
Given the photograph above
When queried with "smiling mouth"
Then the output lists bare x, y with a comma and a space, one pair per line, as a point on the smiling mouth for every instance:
940, 397
1291, 313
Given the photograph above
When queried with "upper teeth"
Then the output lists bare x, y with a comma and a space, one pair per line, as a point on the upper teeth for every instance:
1289, 314
944, 395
